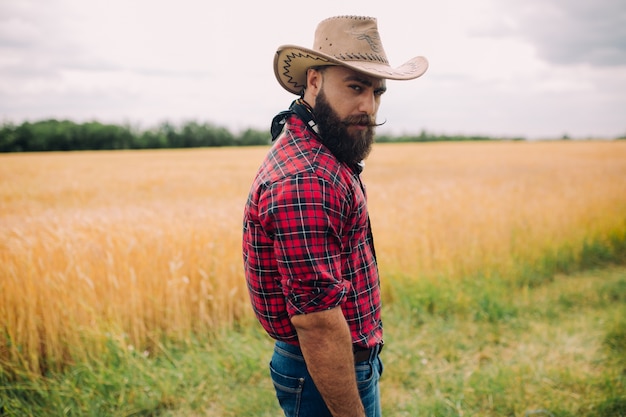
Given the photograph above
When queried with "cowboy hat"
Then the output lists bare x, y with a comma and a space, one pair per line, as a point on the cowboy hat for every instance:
350, 41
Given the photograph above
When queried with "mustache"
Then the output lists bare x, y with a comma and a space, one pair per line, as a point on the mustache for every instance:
361, 120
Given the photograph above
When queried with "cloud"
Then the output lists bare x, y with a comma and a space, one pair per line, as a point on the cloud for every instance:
566, 32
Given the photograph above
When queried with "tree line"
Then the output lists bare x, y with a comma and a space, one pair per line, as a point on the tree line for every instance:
55, 135
64, 135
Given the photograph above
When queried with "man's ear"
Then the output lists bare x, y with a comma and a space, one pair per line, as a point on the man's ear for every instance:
313, 81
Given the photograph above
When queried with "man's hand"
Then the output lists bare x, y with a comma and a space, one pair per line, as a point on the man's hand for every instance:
327, 348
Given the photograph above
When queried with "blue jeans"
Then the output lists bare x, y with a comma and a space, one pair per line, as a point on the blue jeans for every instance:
297, 394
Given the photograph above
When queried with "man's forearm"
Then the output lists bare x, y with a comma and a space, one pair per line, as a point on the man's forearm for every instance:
327, 348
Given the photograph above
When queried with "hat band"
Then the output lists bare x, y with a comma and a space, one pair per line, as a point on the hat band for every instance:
359, 56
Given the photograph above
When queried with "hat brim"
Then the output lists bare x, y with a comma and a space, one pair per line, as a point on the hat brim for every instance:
291, 63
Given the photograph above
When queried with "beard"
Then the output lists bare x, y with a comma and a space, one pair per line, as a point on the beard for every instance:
350, 148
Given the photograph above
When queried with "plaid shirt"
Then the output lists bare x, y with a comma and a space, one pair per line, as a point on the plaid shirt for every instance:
307, 242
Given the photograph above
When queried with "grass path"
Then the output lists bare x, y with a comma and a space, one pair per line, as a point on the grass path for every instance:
560, 352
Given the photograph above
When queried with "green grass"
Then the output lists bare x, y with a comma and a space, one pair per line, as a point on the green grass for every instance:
470, 349
557, 349
223, 375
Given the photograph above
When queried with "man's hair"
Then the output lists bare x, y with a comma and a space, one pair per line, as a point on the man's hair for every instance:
318, 68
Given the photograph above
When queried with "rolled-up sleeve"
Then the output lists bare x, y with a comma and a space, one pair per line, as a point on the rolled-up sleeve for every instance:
303, 214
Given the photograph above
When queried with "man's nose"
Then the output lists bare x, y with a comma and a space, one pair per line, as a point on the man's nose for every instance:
368, 104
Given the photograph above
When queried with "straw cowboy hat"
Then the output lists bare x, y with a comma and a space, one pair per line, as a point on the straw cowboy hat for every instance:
351, 41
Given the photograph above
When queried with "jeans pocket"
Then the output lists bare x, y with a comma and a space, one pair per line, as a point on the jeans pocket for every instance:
367, 376
288, 391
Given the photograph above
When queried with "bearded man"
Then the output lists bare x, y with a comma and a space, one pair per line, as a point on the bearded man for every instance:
308, 250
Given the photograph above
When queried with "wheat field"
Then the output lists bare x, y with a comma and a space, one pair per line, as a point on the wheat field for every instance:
132, 247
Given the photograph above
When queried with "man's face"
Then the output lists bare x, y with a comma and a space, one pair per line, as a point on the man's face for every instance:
345, 110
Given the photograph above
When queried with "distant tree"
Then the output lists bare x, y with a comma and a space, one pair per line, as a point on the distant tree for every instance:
8, 139
151, 139
252, 137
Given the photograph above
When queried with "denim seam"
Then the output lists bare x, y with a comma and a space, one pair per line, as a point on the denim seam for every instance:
288, 354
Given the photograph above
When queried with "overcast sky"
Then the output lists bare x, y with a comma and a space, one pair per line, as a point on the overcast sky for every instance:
531, 68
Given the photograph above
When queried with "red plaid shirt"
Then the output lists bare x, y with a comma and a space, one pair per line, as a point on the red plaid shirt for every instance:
307, 242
